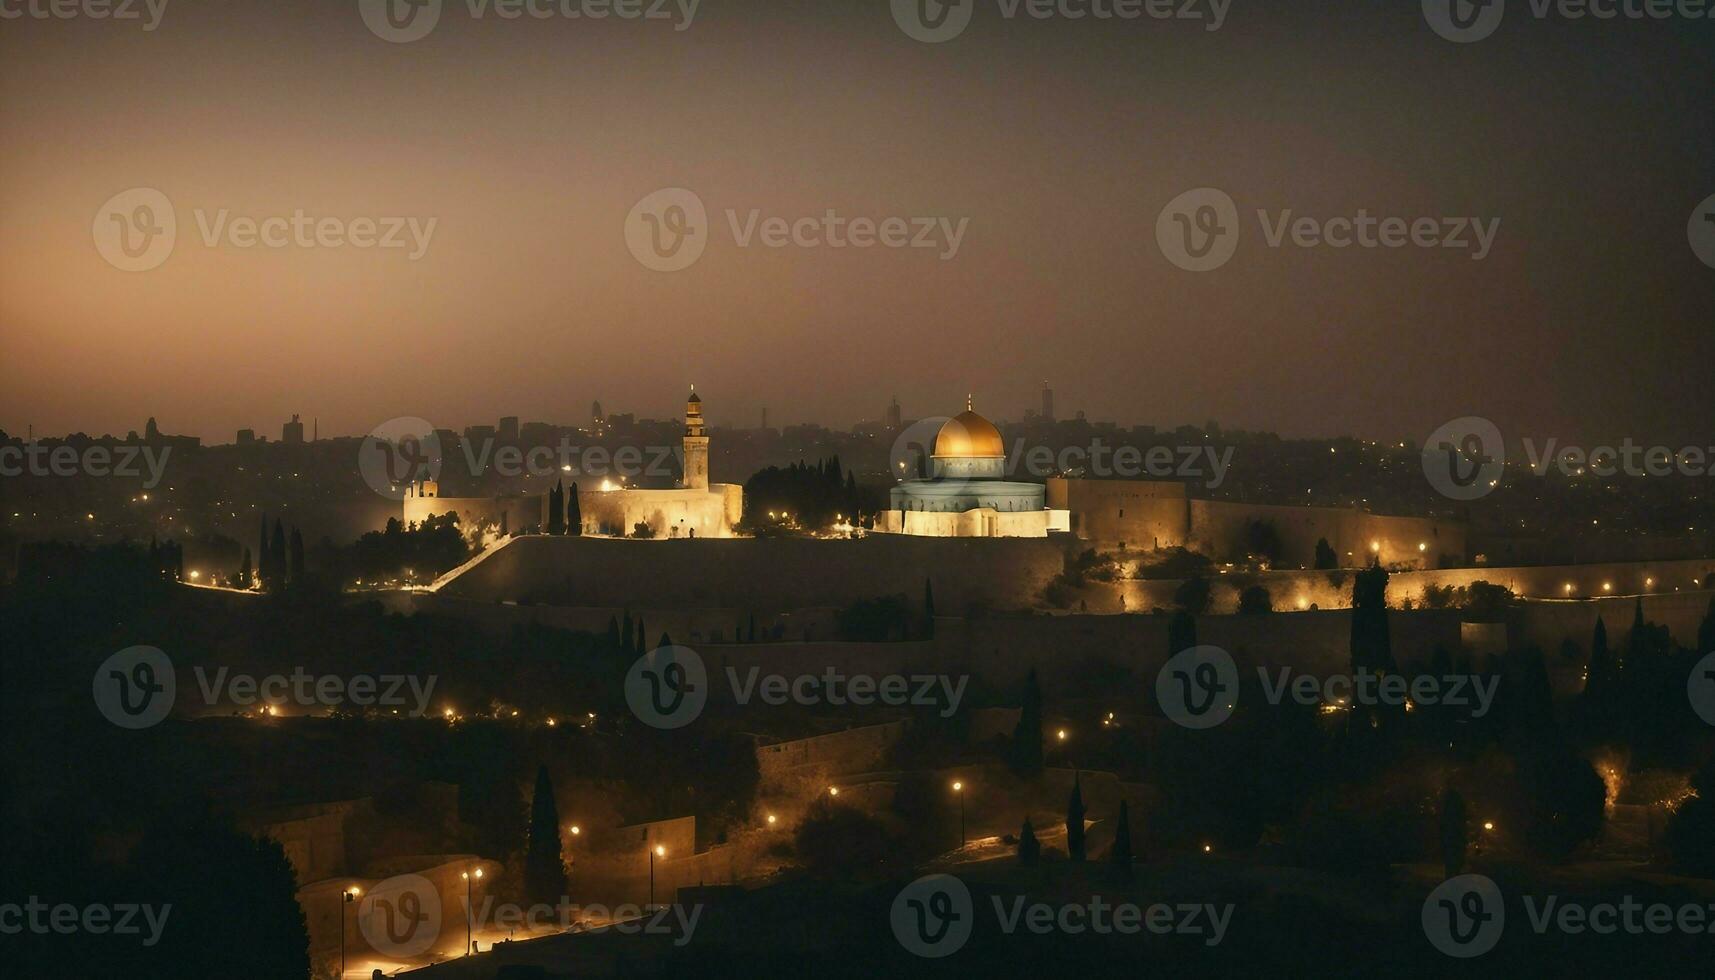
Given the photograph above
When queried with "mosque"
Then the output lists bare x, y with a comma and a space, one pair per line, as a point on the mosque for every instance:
694, 509
965, 493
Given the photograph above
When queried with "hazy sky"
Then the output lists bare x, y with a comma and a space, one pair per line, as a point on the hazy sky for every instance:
1057, 142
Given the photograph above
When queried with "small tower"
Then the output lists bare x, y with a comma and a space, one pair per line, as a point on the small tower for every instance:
696, 444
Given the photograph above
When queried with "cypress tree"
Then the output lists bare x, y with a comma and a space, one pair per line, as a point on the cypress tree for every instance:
1181, 632
929, 607
1706, 631
641, 638
297, 571
264, 562
574, 513
1121, 854
613, 632
1075, 821
1027, 734
544, 868
277, 554
1454, 833
1029, 848
243, 581
556, 516
630, 633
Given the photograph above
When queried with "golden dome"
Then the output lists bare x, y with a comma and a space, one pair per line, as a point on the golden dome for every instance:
968, 435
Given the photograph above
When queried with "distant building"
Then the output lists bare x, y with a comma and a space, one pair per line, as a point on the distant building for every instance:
292, 433
1047, 403
893, 414
246, 437
509, 428
151, 431
695, 509
596, 412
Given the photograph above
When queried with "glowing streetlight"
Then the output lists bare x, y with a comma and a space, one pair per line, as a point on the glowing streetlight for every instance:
655, 852
467, 909
346, 898
771, 819
576, 830
1061, 734
959, 789
833, 791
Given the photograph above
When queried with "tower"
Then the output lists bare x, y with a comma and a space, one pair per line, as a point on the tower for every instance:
1047, 403
893, 414
696, 444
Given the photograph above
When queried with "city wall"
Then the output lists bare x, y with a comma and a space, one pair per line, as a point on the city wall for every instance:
763, 573
1146, 515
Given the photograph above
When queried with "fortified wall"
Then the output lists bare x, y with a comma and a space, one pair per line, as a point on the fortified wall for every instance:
763, 573
1148, 514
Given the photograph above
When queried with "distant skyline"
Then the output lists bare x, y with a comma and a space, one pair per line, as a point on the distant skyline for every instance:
1059, 142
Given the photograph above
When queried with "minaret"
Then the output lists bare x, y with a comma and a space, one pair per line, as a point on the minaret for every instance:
696, 444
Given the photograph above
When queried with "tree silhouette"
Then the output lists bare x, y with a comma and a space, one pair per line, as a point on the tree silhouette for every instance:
1325, 557
1454, 832
1029, 848
1075, 821
574, 513
1181, 633
1026, 748
297, 570
544, 867
1121, 854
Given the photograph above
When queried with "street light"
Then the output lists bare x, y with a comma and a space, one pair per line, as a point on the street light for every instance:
347, 897
655, 852
959, 789
467, 910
